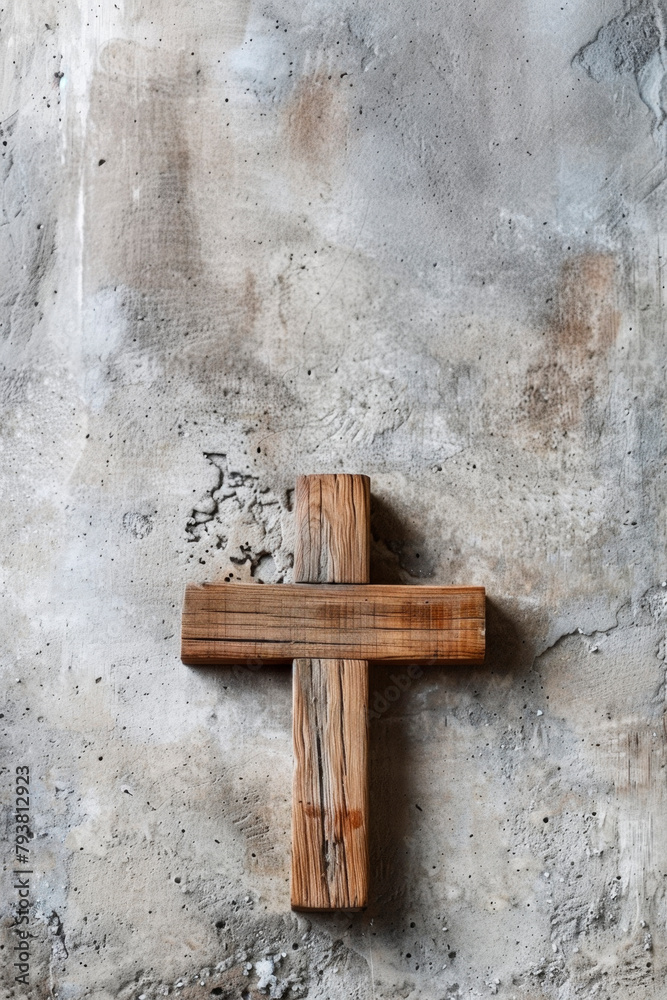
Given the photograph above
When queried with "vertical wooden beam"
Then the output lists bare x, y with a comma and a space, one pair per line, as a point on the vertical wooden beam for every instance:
333, 529
330, 721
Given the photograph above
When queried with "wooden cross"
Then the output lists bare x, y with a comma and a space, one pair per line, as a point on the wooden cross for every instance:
330, 632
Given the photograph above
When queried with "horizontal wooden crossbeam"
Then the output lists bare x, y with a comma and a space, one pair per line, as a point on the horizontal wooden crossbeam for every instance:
232, 623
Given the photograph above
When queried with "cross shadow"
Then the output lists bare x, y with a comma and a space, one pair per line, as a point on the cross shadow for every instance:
396, 703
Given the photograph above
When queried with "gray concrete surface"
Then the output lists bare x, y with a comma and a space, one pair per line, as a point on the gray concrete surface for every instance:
426, 242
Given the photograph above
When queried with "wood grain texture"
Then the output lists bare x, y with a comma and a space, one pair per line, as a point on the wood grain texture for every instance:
330, 699
233, 622
330, 799
333, 529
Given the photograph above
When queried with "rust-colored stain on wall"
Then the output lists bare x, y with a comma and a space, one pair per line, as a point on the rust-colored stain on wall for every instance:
316, 125
572, 372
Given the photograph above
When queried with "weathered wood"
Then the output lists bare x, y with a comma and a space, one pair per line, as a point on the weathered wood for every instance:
333, 529
330, 699
330, 800
233, 622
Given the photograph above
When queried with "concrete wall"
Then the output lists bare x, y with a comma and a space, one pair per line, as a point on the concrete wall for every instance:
423, 241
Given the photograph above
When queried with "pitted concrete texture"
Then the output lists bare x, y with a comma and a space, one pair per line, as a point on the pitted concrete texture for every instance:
243, 241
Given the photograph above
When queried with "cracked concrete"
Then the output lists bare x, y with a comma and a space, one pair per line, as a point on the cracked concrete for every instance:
633, 44
244, 241
246, 521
